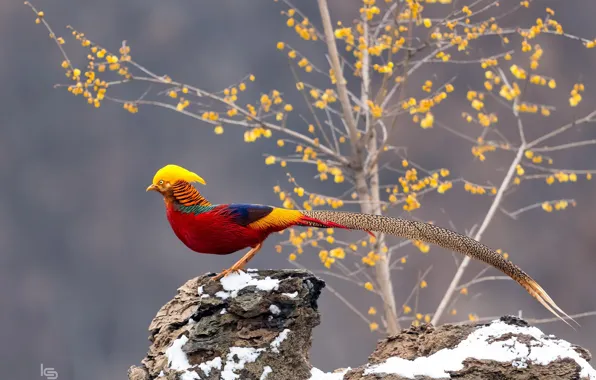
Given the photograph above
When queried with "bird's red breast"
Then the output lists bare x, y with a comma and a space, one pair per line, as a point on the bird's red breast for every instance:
213, 232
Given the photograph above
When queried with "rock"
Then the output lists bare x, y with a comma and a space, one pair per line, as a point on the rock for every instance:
249, 325
257, 325
508, 348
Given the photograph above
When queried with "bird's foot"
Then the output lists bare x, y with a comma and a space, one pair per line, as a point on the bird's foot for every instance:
225, 273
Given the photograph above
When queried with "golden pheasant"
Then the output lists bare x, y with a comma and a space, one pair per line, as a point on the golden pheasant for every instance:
226, 228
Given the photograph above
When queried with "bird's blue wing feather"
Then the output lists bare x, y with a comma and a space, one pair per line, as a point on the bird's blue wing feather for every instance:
245, 214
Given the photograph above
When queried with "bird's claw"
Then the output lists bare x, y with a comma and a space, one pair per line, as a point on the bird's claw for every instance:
225, 273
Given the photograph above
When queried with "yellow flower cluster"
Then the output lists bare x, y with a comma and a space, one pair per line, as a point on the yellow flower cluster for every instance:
303, 28
346, 35
369, 10
267, 101
91, 83
411, 203
443, 56
326, 259
410, 182
444, 186
556, 205
535, 58
371, 259
254, 134
375, 110
182, 104
210, 115
316, 201
425, 105
518, 72
562, 177
427, 121
488, 63
575, 94
480, 150
422, 246
384, 69
536, 158
474, 189
131, 107
382, 44
323, 100
510, 93
413, 10
231, 94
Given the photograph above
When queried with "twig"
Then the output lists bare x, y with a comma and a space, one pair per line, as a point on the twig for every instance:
482, 279
534, 321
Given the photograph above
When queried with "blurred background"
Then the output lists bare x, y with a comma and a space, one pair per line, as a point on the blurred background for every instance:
87, 257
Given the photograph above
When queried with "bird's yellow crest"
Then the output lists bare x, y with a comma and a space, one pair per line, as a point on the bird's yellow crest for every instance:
172, 173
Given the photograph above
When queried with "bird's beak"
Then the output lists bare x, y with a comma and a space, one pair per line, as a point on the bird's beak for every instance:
152, 187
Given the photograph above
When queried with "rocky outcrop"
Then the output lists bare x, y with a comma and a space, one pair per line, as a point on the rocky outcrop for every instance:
248, 325
507, 348
257, 325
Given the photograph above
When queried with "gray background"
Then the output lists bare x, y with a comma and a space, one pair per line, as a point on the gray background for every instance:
87, 257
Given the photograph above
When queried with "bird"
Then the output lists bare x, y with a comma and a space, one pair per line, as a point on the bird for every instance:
222, 229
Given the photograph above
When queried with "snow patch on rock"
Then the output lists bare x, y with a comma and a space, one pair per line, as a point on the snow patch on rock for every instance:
214, 363
176, 357
274, 310
317, 374
481, 345
236, 281
277, 341
266, 371
236, 360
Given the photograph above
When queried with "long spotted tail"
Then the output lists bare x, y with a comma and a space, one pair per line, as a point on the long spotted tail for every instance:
430, 233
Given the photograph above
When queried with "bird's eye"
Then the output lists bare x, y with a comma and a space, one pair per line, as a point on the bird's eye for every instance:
161, 182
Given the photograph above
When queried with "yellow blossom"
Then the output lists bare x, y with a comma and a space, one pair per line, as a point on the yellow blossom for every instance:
427, 121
